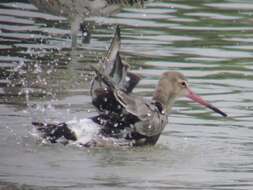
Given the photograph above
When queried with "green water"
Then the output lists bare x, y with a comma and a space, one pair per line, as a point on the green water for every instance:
209, 41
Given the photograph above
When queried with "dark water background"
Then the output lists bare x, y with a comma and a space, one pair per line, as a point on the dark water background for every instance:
210, 41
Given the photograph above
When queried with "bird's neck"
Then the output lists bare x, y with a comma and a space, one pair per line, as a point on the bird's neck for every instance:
165, 96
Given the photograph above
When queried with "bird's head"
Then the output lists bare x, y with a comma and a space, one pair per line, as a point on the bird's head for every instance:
173, 85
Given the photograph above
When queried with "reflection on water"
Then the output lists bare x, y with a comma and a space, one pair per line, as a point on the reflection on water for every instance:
209, 41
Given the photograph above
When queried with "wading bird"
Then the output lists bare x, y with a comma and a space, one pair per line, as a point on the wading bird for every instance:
78, 10
123, 119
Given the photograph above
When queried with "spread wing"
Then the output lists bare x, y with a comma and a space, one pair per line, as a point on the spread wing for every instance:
111, 93
117, 72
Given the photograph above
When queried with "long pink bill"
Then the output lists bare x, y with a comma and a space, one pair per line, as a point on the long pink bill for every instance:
200, 100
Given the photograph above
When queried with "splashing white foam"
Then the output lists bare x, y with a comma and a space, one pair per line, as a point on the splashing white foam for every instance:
88, 134
85, 130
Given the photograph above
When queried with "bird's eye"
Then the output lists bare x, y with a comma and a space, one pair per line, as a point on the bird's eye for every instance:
183, 84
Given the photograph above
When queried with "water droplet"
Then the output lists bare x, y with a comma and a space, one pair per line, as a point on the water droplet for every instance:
49, 71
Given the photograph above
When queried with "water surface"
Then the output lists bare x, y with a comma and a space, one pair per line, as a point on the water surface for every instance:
42, 78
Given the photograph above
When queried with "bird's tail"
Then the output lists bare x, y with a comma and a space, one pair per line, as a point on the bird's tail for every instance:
53, 132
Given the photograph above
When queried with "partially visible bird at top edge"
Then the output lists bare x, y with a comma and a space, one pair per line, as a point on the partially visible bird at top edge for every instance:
124, 119
78, 10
